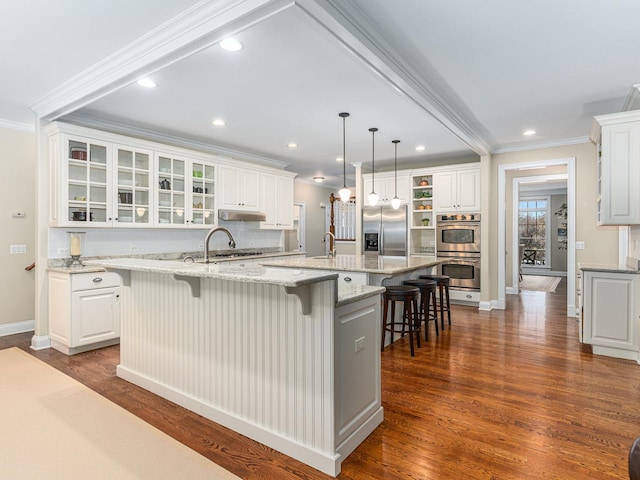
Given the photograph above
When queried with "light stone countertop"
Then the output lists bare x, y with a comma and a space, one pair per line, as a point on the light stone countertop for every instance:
604, 267
252, 273
352, 293
359, 263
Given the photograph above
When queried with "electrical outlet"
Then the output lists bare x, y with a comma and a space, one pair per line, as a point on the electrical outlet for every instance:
359, 344
133, 248
63, 251
201, 245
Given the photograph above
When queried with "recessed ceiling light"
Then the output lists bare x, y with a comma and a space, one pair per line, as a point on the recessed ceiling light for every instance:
318, 179
339, 159
146, 82
219, 122
230, 45
529, 132
420, 148
292, 145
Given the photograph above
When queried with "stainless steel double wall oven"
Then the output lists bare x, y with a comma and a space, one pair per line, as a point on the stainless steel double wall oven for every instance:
458, 244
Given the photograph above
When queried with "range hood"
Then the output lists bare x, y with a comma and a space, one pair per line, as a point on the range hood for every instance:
241, 215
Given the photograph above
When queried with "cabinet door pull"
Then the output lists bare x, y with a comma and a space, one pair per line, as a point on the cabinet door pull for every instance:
347, 279
97, 280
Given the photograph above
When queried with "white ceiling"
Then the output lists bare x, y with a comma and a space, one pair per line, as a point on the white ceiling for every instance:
459, 77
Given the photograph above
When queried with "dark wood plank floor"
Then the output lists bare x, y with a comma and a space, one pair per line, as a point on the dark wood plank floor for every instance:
501, 395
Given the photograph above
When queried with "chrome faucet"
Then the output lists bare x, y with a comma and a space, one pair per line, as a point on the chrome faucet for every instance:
331, 251
232, 242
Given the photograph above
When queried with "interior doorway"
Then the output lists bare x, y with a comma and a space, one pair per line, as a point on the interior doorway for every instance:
508, 242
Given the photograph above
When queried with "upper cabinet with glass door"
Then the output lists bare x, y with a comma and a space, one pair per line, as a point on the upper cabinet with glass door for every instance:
84, 190
171, 189
132, 192
202, 194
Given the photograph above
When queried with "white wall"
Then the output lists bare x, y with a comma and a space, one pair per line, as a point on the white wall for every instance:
17, 194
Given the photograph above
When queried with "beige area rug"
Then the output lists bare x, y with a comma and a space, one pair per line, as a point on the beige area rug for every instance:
53, 427
539, 283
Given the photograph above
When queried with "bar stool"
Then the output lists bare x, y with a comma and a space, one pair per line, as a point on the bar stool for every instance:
443, 287
409, 297
427, 300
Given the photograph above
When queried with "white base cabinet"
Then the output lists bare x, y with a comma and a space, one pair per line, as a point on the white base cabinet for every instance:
84, 311
610, 313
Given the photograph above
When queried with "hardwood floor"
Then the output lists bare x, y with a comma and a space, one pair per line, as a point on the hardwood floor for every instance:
500, 395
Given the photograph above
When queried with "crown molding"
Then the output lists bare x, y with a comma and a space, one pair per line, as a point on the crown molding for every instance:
174, 140
536, 146
195, 29
23, 127
633, 99
364, 39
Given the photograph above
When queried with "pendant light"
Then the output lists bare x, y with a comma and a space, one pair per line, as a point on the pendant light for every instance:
395, 202
373, 196
345, 193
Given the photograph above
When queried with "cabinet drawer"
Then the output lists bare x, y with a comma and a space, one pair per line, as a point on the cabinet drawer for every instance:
352, 278
88, 281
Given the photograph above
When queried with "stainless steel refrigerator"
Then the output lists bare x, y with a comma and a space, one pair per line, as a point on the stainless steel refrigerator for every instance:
385, 231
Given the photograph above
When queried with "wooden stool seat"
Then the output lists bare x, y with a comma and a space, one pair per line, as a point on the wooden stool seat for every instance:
428, 290
410, 322
443, 287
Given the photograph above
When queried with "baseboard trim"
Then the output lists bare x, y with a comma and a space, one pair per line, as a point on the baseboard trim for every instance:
40, 342
486, 306
17, 327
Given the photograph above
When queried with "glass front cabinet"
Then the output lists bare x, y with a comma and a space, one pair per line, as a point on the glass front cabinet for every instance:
107, 184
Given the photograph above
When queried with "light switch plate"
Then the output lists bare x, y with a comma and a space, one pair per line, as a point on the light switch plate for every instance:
17, 249
579, 245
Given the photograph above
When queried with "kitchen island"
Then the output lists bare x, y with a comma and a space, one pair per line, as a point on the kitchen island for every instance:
284, 356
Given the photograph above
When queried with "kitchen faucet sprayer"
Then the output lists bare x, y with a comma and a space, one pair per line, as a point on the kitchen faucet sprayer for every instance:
331, 251
232, 242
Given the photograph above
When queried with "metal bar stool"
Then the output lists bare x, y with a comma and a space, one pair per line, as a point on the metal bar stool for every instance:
410, 322
443, 287
428, 305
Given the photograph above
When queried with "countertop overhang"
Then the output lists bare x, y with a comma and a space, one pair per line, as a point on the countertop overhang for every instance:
253, 273
359, 263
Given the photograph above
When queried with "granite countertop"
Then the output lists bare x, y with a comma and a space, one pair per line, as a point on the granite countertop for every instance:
352, 293
359, 263
252, 273
610, 268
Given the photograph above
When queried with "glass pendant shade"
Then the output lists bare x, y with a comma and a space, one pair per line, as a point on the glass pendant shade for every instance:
395, 202
373, 196
345, 194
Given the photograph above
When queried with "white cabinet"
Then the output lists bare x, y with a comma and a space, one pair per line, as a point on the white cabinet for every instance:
457, 190
239, 188
185, 192
385, 187
610, 313
81, 192
84, 311
618, 164
132, 192
277, 201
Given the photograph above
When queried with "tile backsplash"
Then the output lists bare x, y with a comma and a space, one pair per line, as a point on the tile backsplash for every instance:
120, 241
